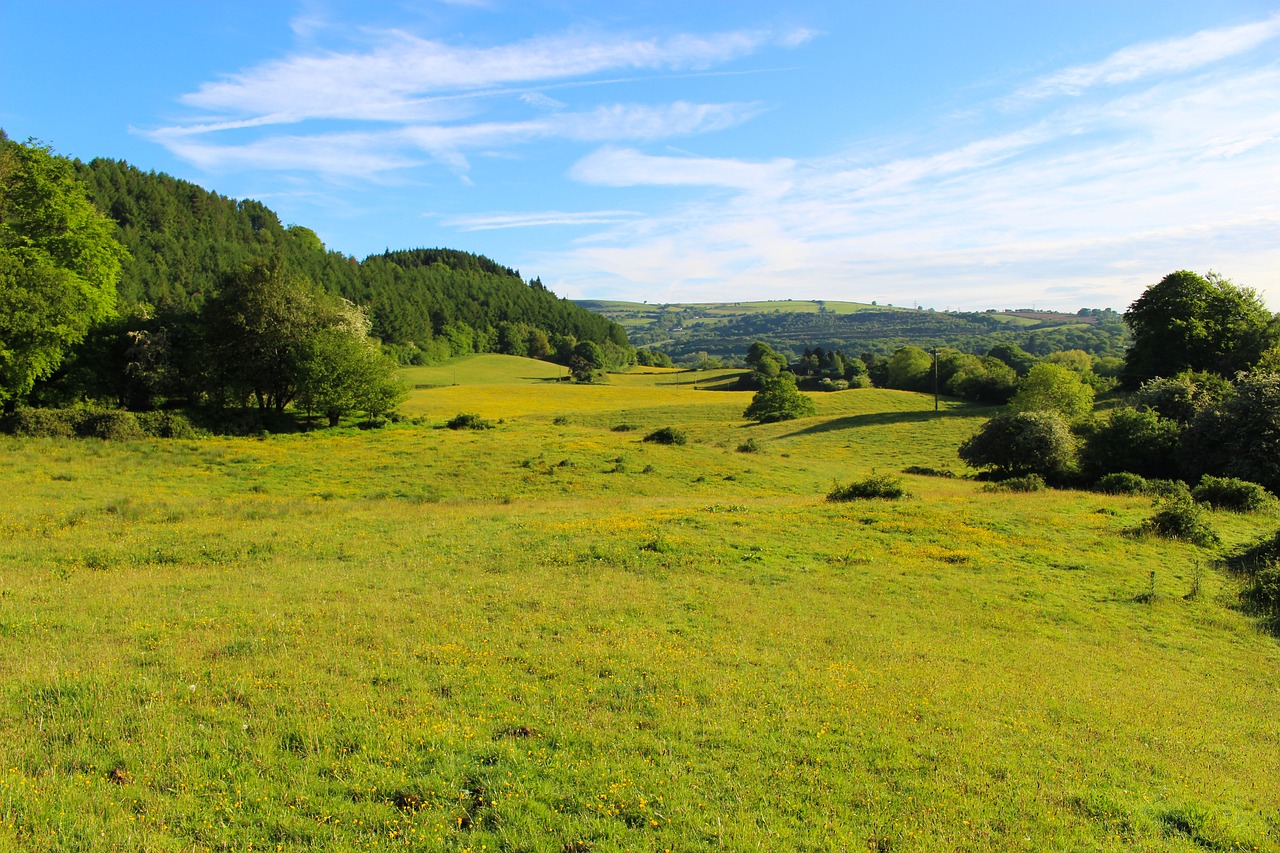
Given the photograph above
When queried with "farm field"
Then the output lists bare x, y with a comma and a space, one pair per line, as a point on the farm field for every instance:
552, 636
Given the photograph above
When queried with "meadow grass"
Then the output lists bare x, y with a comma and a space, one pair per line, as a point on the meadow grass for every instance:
552, 636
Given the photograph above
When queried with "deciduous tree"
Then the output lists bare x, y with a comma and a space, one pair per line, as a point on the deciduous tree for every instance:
59, 264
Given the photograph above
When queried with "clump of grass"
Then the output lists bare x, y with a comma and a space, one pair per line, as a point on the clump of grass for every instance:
667, 435
1179, 518
560, 420
750, 446
1029, 483
1206, 827
624, 427
1231, 494
1122, 483
464, 420
884, 486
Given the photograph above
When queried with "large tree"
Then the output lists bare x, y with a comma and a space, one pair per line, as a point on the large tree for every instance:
1193, 322
59, 265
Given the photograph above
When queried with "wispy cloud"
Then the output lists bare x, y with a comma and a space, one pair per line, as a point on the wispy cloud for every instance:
1085, 205
1157, 59
623, 167
538, 219
410, 95
394, 80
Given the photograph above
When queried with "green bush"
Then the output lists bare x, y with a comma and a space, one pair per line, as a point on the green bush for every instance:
167, 424
1028, 483
925, 471
1168, 489
1122, 483
44, 423
750, 446
468, 421
1264, 591
112, 425
1231, 494
873, 486
1133, 440
1014, 444
1260, 563
667, 435
1179, 518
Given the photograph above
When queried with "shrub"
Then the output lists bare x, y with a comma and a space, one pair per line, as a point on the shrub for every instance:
1179, 518
166, 424
925, 471
1264, 592
750, 446
1014, 444
44, 423
112, 425
1122, 483
874, 486
1230, 493
1028, 483
1134, 440
624, 428
667, 435
1168, 489
469, 421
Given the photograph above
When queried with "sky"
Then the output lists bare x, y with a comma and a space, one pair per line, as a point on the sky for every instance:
957, 156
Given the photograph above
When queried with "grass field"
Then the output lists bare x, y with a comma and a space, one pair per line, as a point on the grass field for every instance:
552, 636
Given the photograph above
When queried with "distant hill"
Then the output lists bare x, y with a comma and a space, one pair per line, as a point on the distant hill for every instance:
183, 238
727, 329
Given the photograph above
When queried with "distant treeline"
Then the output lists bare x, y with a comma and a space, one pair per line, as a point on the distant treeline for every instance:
1099, 332
427, 304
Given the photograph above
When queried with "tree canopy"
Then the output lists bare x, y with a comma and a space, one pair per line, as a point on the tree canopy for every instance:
1198, 323
59, 265
1053, 388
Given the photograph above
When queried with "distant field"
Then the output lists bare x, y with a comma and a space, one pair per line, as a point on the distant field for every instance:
553, 636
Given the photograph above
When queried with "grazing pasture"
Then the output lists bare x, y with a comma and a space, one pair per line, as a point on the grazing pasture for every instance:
553, 636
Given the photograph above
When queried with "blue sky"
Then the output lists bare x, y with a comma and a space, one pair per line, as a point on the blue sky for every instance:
954, 155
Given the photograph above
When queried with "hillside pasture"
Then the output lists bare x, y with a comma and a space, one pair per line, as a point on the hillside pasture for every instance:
552, 636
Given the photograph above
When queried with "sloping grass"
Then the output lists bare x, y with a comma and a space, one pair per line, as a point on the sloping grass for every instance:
552, 636
486, 369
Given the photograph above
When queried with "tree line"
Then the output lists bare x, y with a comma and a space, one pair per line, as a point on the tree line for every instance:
1197, 393
139, 290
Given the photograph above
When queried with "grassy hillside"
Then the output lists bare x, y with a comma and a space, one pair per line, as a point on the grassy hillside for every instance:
552, 636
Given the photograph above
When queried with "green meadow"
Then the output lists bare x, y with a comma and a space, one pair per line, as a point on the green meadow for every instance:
553, 636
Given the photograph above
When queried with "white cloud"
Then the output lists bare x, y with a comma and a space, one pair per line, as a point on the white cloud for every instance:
392, 81
541, 101
433, 97
1155, 59
1085, 207
538, 219
622, 167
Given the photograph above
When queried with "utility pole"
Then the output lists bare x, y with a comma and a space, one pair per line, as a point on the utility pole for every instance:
935, 379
